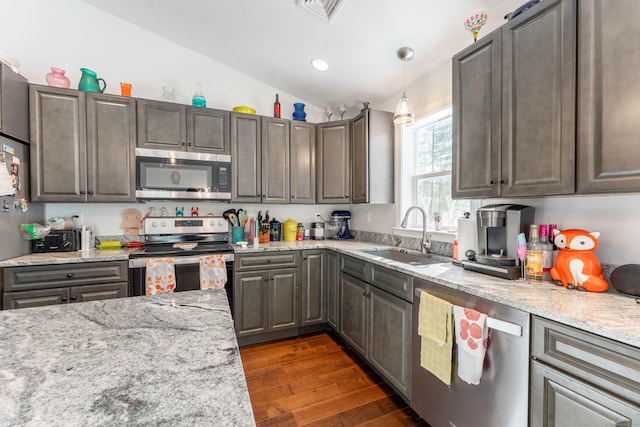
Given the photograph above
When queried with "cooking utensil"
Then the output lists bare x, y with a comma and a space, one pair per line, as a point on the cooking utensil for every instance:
233, 219
626, 279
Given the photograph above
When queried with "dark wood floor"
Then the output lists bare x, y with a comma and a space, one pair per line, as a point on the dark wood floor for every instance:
313, 381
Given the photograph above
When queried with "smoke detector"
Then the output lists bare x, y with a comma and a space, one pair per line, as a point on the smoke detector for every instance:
325, 9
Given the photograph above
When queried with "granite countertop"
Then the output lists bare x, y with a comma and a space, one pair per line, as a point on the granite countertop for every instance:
608, 314
169, 359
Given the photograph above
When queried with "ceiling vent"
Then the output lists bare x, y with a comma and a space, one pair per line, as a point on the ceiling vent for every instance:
325, 9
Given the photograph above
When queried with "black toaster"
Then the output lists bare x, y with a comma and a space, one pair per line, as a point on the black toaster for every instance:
58, 241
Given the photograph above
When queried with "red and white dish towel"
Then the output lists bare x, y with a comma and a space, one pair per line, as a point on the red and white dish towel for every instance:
213, 272
471, 339
161, 276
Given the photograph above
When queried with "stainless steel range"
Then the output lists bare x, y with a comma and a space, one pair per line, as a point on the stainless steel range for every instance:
186, 239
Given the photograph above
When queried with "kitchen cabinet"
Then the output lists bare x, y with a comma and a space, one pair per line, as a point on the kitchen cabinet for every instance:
14, 104
170, 126
372, 134
303, 162
333, 156
332, 277
266, 292
375, 322
77, 139
525, 75
246, 161
608, 155
35, 286
582, 379
314, 294
275, 160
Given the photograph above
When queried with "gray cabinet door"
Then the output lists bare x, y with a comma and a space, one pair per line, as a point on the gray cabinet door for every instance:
111, 142
372, 157
560, 400
38, 298
251, 302
332, 278
477, 119
303, 162
334, 163
390, 338
314, 297
246, 162
14, 104
608, 154
275, 160
284, 305
161, 125
58, 145
98, 292
208, 130
538, 101
353, 312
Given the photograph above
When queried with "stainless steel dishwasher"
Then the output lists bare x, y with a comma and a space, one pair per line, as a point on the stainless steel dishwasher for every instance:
501, 398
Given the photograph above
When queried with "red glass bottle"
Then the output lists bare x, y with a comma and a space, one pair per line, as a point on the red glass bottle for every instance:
276, 108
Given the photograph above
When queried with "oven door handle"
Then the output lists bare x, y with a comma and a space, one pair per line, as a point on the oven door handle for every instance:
178, 260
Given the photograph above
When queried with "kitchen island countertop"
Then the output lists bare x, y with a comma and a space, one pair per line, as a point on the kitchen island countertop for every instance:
169, 359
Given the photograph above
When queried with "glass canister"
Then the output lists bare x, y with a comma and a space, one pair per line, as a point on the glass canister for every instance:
289, 229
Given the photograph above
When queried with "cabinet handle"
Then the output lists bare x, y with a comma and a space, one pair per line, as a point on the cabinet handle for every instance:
504, 181
492, 182
74, 297
293, 197
369, 295
189, 144
81, 191
266, 279
63, 299
69, 275
268, 261
89, 192
183, 144
364, 294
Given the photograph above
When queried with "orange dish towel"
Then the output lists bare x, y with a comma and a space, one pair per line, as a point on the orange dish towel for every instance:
213, 272
471, 339
161, 276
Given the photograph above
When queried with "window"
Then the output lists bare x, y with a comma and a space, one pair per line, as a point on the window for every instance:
426, 172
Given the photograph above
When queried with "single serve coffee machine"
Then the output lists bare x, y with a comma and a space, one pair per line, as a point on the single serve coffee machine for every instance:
498, 228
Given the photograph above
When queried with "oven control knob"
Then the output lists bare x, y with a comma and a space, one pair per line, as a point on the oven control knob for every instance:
163, 224
154, 224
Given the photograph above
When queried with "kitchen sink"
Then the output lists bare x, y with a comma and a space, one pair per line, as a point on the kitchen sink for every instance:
404, 257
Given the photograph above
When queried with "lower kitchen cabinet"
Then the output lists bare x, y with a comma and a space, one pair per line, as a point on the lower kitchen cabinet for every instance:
377, 324
332, 279
266, 292
313, 287
35, 286
579, 379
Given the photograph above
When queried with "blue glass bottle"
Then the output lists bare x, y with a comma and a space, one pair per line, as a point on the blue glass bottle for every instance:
198, 99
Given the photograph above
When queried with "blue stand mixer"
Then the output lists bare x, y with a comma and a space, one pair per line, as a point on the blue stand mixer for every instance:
341, 220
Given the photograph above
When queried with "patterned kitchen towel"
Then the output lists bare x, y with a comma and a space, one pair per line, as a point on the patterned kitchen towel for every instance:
471, 339
435, 327
213, 272
161, 276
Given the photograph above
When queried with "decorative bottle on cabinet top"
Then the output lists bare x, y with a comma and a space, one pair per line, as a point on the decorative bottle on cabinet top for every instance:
57, 78
276, 108
198, 99
298, 112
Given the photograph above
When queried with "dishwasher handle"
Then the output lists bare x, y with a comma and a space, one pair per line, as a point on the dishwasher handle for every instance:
493, 323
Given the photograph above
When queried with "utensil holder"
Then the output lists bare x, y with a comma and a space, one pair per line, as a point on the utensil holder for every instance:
237, 234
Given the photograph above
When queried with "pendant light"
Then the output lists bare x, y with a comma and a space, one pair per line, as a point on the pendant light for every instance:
404, 111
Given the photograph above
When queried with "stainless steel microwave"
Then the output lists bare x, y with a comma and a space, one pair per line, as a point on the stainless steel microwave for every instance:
180, 175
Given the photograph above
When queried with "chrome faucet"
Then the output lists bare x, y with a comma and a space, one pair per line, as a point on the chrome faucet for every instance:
426, 238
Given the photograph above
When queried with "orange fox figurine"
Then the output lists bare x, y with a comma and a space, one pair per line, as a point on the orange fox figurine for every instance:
576, 265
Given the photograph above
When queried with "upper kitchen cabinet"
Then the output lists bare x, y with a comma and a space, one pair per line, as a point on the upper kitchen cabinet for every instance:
82, 147
14, 104
170, 126
608, 126
372, 157
533, 153
275, 160
303, 162
333, 162
246, 162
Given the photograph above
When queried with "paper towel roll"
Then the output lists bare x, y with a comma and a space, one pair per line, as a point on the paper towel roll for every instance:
467, 236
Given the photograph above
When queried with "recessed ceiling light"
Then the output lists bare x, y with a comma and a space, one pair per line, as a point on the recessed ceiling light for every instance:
320, 64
